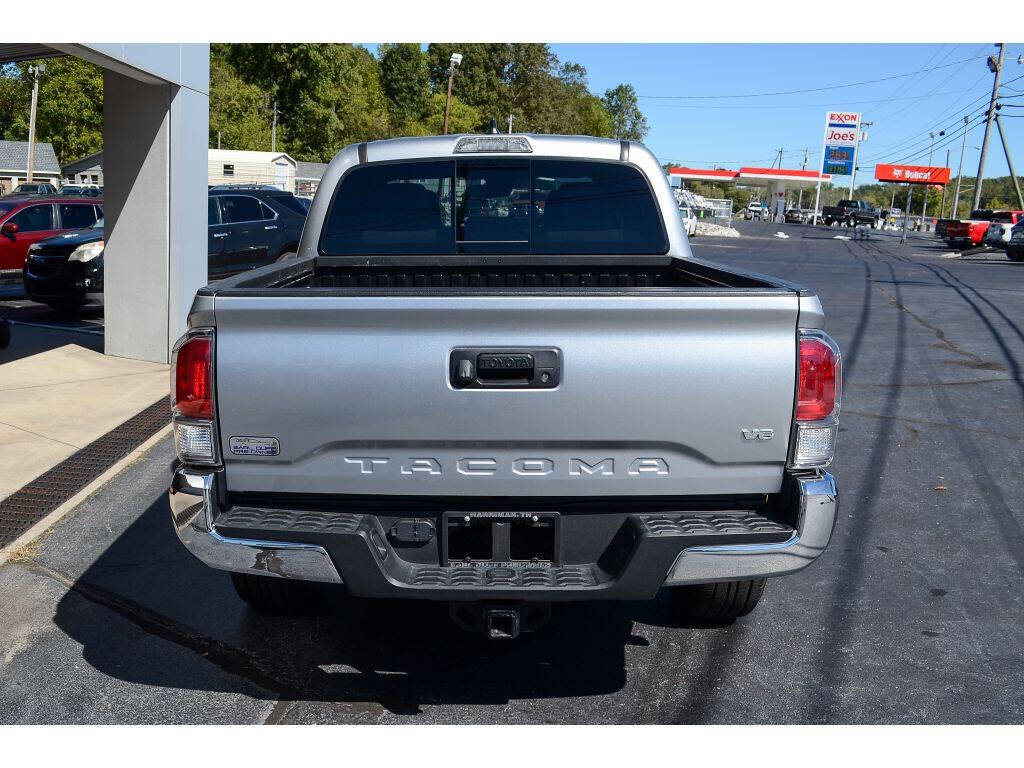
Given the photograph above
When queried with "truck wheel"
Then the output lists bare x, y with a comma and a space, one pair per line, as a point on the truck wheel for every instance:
1015, 256
274, 595
851, 222
724, 600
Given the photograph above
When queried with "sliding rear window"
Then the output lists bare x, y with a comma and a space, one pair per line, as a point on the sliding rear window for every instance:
513, 206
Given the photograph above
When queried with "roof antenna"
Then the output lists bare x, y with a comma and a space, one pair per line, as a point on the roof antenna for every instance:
493, 127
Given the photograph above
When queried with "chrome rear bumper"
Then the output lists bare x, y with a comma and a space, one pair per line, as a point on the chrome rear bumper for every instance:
817, 504
194, 507
193, 499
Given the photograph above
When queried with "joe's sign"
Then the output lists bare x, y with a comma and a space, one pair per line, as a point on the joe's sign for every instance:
912, 174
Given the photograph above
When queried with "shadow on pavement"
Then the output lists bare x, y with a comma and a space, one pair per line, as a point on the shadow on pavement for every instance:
398, 654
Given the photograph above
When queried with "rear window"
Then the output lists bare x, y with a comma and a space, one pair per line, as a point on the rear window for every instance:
77, 216
533, 206
290, 202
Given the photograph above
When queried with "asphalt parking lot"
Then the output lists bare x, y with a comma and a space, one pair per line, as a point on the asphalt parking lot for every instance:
913, 615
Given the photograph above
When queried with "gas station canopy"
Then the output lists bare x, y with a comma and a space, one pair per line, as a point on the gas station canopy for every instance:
776, 180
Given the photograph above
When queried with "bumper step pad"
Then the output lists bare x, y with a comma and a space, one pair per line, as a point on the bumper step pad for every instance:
633, 566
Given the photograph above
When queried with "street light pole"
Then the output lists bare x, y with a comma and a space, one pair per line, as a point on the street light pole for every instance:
960, 170
30, 166
455, 60
996, 65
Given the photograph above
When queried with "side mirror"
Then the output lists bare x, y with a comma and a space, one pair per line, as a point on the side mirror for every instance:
10, 228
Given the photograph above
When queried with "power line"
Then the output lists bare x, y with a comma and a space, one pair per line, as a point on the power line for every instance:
815, 90
815, 104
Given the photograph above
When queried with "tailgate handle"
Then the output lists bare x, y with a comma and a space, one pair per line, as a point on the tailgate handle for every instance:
489, 368
504, 365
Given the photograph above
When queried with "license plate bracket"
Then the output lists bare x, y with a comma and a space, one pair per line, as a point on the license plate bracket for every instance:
513, 538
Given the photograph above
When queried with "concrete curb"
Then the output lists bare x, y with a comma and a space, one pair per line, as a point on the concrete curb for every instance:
11, 550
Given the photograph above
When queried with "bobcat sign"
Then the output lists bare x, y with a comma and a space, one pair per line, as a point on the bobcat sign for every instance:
912, 174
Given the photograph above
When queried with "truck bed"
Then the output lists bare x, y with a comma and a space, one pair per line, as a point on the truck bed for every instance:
511, 274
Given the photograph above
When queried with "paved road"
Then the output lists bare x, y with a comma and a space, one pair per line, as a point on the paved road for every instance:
913, 615
36, 328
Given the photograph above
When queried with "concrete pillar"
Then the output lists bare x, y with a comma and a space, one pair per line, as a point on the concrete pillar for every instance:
154, 141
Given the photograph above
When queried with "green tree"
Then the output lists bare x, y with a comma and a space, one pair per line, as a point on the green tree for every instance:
462, 118
238, 111
405, 80
628, 122
69, 114
330, 95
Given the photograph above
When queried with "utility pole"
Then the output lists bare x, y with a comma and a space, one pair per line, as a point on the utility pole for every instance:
218, 139
942, 202
856, 149
931, 149
960, 170
455, 60
1009, 162
273, 128
36, 72
996, 65
906, 214
510, 123
778, 158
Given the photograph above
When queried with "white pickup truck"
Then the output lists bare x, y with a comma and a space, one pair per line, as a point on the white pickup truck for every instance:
495, 376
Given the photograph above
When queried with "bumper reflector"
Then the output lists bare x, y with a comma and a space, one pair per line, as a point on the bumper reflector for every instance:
194, 442
815, 445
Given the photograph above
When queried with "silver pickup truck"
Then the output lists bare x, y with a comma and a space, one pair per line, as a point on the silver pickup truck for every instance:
496, 376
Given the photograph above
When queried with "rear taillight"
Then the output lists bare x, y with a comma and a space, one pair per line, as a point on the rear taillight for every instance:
192, 397
819, 389
193, 379
816, 391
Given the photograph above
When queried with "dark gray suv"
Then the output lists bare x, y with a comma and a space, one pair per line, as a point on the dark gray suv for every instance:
251, 226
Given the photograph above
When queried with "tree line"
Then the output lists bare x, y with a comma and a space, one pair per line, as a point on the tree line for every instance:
331, 95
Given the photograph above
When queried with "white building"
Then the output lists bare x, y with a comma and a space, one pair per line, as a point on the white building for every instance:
233, 166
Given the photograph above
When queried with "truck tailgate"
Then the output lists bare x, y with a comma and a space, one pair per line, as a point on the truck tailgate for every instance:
658, 395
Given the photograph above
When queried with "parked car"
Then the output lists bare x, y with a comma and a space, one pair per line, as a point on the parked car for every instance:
476, 408
66, 271
971, 232
755, 210
76, 190
34, 188
799, 215
251, 227
852, 213
27, 220
689, 220
1015, 248
999, 229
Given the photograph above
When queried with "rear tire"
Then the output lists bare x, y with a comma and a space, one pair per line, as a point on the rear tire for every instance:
273, 595
710, 602
1015, 256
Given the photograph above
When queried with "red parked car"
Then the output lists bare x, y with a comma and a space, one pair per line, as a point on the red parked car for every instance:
27, 220
971, 232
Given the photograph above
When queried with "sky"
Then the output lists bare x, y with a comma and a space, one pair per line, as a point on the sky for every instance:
731, 132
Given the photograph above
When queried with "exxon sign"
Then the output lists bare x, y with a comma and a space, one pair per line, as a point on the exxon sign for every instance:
841, 129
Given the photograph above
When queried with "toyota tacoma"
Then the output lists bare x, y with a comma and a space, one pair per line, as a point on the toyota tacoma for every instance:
452, 396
